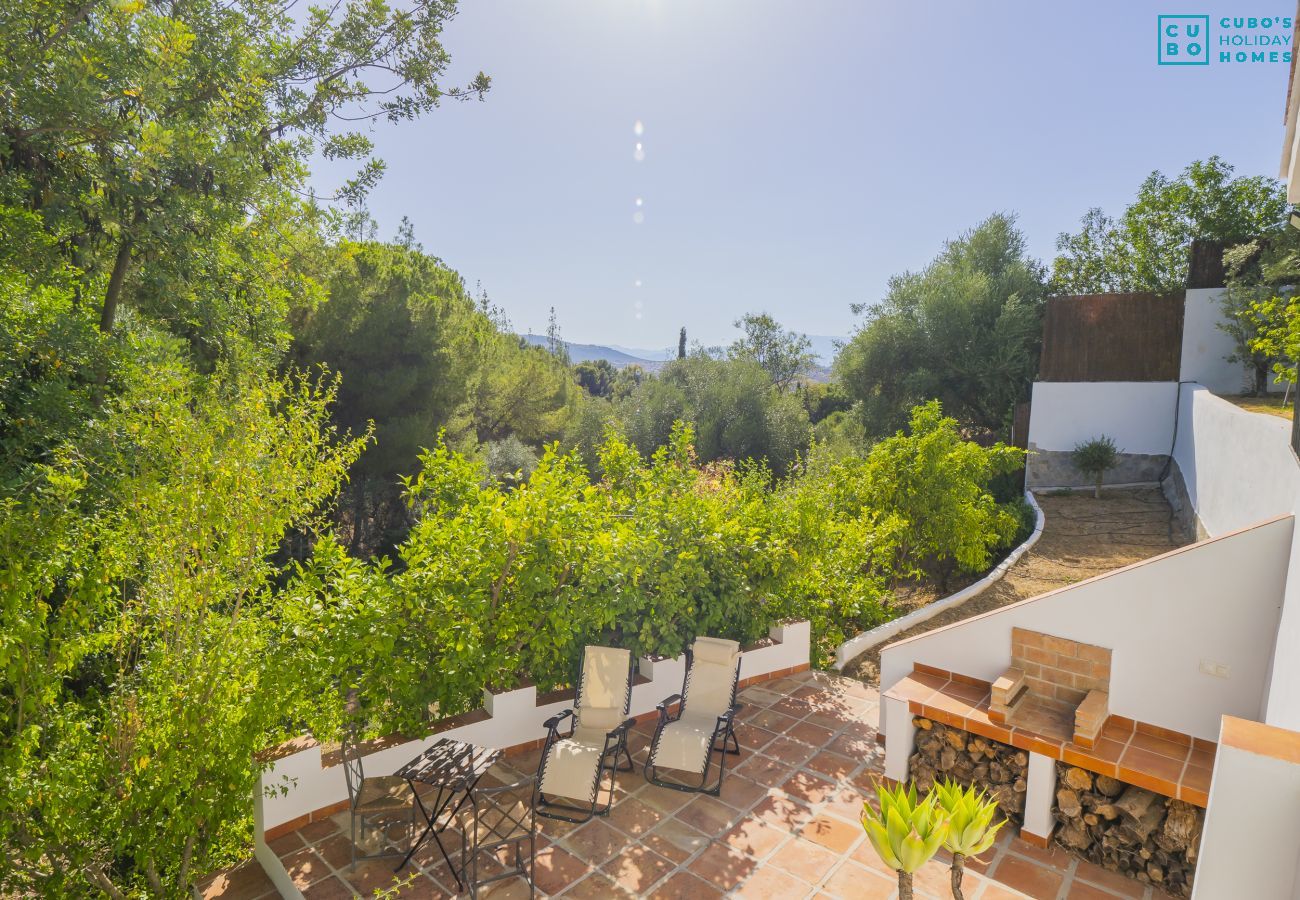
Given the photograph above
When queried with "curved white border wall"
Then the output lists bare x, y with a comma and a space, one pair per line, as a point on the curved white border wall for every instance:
856, 646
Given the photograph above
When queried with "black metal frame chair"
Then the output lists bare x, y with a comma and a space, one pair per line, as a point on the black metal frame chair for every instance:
723, 732
500, 816
384, 801
614, 751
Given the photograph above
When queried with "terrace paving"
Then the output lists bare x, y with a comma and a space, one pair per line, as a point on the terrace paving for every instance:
786, 826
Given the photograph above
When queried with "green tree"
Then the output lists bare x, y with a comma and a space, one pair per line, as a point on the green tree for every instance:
1095, 458
1147, 248
163, 146
403, 333
782, 354
596, 377
1260, 308
965, 330
140, 676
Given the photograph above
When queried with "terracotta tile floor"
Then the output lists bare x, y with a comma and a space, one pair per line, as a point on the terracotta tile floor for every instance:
785, 827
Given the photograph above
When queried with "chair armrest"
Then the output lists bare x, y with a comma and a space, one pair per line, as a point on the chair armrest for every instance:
664, 715
553, 723
727, 717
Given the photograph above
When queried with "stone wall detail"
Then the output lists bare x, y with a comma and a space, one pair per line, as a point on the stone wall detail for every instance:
1055, 468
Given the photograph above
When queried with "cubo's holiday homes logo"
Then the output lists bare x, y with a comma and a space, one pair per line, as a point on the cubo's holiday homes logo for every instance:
1198, 40
1183, 40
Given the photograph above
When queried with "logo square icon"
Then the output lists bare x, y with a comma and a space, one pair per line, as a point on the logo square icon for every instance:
1183, 40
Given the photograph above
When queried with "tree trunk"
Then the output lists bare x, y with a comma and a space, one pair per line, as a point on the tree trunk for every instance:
904, 886
1261, 379
958, 870
1096, 489
120, 266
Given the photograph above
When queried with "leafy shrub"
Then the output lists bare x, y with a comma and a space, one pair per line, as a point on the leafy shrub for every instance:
509, 459
1095, 458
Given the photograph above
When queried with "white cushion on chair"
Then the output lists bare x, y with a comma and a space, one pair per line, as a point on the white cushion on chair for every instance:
684, 744
571, 766
712, 678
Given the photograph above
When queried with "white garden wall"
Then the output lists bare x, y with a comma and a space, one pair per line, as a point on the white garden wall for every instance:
1139, 415
298, 784
1206, 346
1215, 603
1237, 465
1248, 847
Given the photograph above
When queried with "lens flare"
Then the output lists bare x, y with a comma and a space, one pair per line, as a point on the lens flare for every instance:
637, 128
639, 153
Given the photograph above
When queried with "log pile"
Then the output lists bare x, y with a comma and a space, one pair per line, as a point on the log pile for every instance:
945, 752
1127, 829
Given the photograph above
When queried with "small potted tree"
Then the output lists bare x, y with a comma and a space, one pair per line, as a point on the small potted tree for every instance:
1095, 458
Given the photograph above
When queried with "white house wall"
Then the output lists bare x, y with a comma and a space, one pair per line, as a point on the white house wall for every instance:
1214, 603
1138, 415
1206, 346
1237, 466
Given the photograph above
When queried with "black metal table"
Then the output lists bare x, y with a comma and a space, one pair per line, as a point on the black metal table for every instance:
452, 767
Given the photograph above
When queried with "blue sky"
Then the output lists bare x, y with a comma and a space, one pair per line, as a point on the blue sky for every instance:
796, 154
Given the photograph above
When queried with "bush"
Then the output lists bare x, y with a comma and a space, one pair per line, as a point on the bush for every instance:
495, 583
1095, 458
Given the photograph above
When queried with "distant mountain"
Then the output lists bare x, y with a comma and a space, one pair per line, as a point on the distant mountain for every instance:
823, 347
663, 355
617, 358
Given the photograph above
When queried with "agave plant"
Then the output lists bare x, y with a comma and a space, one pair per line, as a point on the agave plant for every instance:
905, 833
970, 825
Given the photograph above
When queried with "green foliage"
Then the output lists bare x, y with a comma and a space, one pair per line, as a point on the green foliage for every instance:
137, 616
1260, 308
1147, 248
904, 832
970, 826
736, 412
501, 580
596, 377
162, 145
783, 355
965, 330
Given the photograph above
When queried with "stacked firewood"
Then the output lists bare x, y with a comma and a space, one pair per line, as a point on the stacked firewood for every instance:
1130, 830
946, 752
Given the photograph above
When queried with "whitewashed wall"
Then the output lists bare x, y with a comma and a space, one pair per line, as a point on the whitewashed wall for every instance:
1248, 847
1216, 602
1238, 466
1139, 415
1206, 346
296, 785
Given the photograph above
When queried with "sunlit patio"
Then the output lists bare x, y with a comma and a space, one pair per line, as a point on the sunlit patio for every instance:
784, 826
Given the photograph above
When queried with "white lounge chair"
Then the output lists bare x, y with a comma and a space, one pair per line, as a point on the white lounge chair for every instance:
573, 764
705, 719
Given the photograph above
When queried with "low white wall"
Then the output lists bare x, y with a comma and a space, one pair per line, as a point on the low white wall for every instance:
1206, 346
1237, 465
1215, 603
296, 785
1139, 415
1248, 847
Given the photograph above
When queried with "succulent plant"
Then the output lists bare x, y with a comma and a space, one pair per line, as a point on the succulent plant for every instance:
970, 825
905, 833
